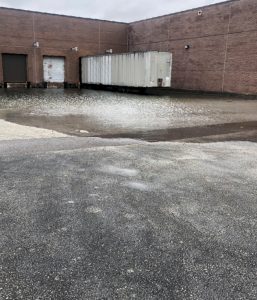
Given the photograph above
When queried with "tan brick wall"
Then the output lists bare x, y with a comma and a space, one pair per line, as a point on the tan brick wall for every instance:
57, 35
223, 43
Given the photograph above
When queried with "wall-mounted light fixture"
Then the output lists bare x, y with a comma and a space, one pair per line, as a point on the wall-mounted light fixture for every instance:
36, 44
200, 12
109, 51
187, 47
75, 49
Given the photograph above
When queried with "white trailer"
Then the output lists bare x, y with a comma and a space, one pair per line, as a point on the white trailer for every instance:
139, 69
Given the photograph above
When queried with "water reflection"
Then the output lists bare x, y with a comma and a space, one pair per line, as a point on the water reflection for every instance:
73, 111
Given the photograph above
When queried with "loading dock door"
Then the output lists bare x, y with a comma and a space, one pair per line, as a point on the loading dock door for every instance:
15, 68
54, 69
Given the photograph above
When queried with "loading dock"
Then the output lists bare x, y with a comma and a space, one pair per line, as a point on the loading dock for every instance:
54, 70
14, 68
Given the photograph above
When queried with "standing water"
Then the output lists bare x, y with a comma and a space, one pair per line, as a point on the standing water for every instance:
108, 114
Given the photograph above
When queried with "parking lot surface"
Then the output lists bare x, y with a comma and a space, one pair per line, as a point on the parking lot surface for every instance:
118, 218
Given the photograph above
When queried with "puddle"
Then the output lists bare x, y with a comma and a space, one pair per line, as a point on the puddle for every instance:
115, 115
220, 132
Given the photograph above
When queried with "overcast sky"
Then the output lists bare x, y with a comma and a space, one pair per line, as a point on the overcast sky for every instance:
119, 10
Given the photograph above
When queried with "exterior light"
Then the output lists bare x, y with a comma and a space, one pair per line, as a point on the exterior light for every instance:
75, 49
187, 47
36, 44
200, 12
109, 51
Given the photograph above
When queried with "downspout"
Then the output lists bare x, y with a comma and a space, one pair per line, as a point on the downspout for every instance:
226, 49
34, 50
128, 43
99, 37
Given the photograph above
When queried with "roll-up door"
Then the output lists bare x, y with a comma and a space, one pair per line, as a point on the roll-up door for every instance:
54, 69
15, 68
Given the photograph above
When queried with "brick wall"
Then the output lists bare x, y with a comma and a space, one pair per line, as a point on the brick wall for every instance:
222, 54
223, 46
56, 36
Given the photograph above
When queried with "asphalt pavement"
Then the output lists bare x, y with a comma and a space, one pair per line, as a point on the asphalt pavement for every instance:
91, 218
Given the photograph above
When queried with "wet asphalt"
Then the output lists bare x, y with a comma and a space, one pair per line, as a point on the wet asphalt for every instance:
86, 113
117, 218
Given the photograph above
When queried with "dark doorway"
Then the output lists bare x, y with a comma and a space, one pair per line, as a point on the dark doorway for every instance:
15, 68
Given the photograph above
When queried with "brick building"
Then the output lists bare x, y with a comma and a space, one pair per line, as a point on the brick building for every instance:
40, 35
214, 47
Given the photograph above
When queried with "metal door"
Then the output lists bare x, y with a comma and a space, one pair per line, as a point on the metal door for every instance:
15, 68
54, 69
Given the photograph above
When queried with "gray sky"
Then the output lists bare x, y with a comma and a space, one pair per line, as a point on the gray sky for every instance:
119, 10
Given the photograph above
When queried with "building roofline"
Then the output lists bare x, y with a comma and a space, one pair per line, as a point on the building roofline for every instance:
185, 11
118, 22
60, 15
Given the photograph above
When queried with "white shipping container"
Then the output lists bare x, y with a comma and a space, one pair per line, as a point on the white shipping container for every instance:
139, 69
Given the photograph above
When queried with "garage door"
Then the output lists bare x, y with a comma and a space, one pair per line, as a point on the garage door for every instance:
54, 69
15, 68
